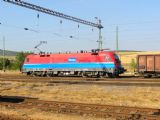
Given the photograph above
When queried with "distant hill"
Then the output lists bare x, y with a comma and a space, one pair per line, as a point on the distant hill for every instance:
8, 53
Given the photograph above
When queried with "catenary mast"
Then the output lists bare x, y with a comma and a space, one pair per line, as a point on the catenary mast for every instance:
61, 15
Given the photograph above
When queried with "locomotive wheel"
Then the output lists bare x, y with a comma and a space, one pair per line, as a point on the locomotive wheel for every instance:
147, 76
28, 73
100, 76
110, 75
83, 75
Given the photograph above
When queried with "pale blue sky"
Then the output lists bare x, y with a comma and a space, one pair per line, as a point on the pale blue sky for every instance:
138, 21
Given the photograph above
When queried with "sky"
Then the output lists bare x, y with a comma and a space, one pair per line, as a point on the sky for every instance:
138, 22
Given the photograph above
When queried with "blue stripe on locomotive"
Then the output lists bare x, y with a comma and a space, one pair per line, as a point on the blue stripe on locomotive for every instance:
69, 65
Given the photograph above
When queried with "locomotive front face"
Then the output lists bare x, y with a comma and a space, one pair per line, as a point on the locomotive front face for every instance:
118, 65
117, 60
111, 57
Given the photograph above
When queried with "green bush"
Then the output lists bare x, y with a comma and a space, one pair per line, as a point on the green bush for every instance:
20, 57
5, 62
133, 65
15, 64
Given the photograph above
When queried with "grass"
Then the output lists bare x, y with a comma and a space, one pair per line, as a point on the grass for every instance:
10, 72
9, 57
127, 96
146, 97
34, 114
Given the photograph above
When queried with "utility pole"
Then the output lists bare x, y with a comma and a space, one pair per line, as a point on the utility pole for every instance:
100, 36
117, 38
3, 54
100, 42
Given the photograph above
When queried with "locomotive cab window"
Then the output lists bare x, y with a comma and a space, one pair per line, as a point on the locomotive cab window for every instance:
116, 58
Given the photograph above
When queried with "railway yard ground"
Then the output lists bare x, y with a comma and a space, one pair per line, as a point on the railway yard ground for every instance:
114, 95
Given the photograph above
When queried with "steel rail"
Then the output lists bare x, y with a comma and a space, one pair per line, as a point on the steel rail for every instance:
103, 111
110, 82
124, 78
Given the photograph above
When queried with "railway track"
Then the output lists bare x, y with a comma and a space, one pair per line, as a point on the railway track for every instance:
95, 110
78, 80
131, 78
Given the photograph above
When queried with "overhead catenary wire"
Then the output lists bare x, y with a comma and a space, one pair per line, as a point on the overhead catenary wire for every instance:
68, 36
42, 31
133, 23
61, 15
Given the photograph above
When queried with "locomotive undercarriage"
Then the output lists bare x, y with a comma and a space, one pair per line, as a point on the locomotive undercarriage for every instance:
93, 73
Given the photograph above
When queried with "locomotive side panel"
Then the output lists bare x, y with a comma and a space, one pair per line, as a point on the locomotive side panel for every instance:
69, 61
88, 64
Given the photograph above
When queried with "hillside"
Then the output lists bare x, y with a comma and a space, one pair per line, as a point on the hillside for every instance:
8, 53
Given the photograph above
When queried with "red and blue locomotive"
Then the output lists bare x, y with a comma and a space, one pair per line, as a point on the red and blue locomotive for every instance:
87, 64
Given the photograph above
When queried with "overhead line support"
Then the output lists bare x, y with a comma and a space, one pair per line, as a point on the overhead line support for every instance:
58, 14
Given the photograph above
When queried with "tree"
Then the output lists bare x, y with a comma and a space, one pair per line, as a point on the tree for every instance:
6, 63
20, 57
133, 65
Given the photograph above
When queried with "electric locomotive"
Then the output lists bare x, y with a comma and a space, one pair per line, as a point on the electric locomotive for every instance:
97, 63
